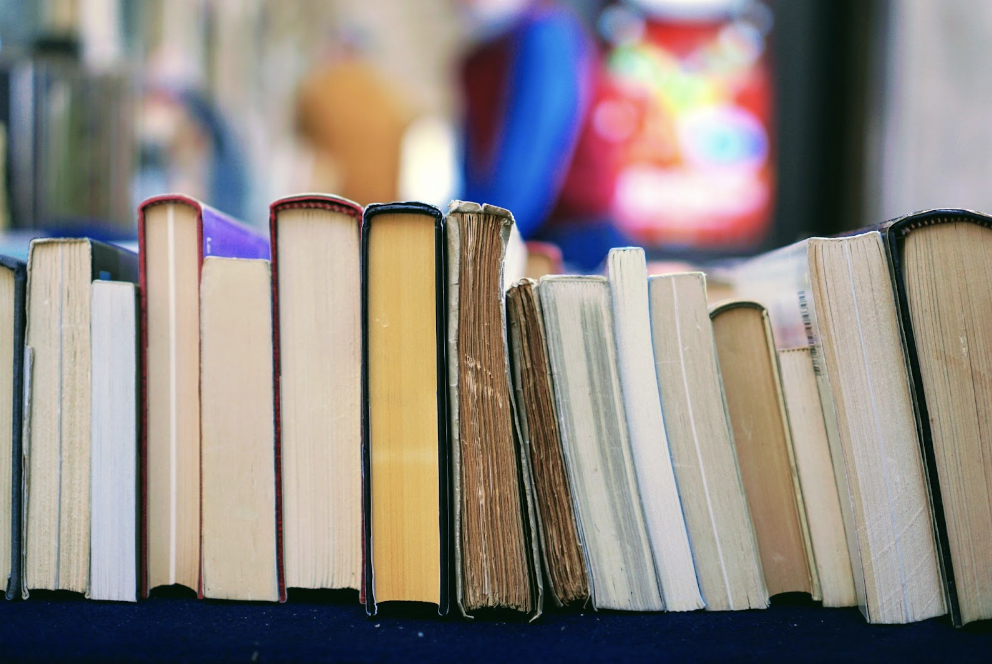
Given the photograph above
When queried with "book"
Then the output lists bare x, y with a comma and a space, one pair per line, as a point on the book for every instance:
835, 295
239, 503
495, 540
316, 308
540, 436
939, 262
114, 442
405, 463
700, 437
543, 259
13, 284
57, 435
175, 233
628, 279
578, 321
816, 477
763, 441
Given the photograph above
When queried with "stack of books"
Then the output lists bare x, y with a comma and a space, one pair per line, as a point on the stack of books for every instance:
378, 399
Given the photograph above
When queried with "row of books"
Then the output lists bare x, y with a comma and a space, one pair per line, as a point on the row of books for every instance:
388, 406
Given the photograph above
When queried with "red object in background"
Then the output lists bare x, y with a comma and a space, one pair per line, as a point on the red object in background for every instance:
687, 107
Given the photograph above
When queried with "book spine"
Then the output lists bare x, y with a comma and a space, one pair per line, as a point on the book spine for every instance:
14, 581
277, 405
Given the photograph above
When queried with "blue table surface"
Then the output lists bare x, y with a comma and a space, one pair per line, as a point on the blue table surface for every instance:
316, 626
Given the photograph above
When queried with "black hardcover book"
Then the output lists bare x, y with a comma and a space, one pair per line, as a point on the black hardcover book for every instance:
939, 261
19, 271
404, 407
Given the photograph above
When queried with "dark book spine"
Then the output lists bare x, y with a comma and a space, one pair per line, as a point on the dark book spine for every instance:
14, 582
444, 471
895, 233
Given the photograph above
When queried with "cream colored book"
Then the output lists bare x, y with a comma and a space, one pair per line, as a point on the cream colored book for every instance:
238, 437
114, 440
317, 274
836, 296
648, 440
700, 437
58, 430
763, 440
816, 476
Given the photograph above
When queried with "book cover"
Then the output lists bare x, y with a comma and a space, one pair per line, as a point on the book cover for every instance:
217, 235
14, 589
367, 595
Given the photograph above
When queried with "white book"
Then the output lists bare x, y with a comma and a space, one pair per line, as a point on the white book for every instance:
114, 440
648, 441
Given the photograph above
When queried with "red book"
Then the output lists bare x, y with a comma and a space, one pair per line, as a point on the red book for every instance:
175, 234
316, 336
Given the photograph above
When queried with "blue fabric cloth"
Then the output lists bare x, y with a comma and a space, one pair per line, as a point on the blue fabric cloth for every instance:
317, 629
546, 99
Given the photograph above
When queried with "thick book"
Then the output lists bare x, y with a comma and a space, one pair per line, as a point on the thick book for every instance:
114, 442
578, 319
405, 467
317, 349
175, 234
13, 286
835, 295
701, 440
763, 440
540, 436
940, 263
494, 531
57, 436
239, 464
663, 515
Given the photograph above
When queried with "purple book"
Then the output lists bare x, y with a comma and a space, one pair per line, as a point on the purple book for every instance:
175, 233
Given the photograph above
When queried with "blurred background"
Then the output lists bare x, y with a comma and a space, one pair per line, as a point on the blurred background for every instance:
696, 128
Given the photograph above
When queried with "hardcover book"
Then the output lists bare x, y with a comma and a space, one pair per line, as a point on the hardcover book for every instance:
175, 234
495, 536
763, 440
59, 413
405, 444
317, 347
13, 285
540, 436
940, 263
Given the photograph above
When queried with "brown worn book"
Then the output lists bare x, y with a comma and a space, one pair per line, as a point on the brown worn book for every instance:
496, 559
749, 368
537, 418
